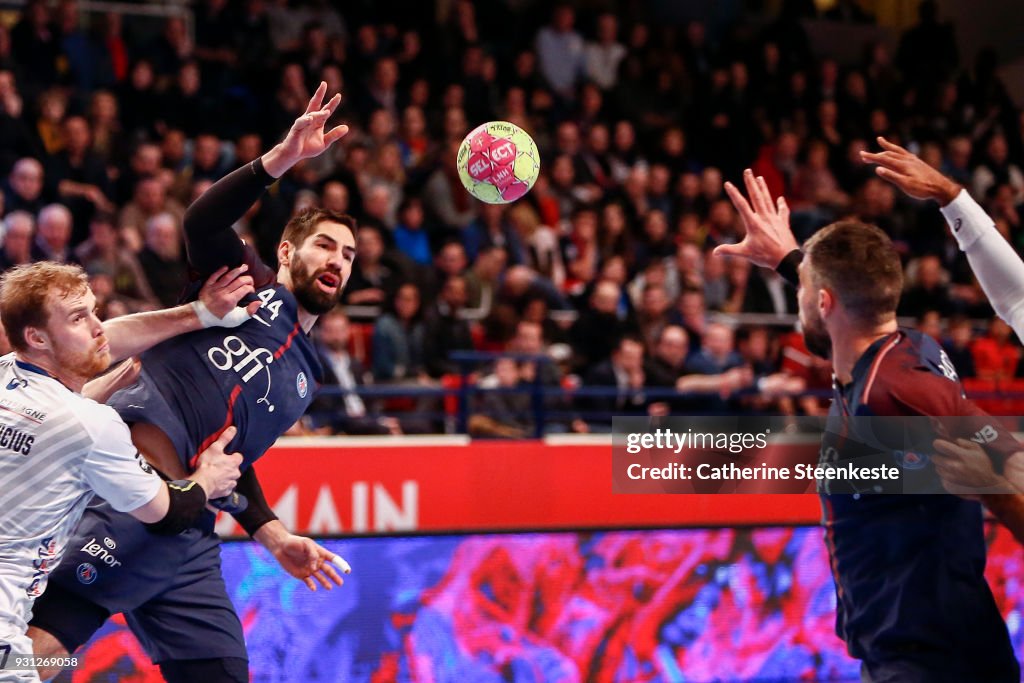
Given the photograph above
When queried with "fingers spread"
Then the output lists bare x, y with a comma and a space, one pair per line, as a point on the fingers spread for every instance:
890, 146
318, 98
764, 196
739, 201
335, 134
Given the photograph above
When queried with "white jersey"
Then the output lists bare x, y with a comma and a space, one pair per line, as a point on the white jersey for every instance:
57, 448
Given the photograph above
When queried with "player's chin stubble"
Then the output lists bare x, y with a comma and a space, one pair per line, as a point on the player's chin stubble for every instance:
817, 340
309, 296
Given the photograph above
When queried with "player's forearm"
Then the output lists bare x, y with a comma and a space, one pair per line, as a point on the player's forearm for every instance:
209, 237
130, 335
1009, 510
271, 535
995, 263
276, 161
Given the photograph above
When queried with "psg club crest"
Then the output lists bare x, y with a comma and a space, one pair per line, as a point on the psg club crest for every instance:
86, 573
910, 460
301, 385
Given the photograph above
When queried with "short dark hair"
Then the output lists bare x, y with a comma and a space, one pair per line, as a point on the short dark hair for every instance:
304, 223
859, 264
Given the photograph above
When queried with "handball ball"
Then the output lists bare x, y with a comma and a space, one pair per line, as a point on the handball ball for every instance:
498, 162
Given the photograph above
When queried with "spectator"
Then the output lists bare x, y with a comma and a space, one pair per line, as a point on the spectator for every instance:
398, 345
997, 169
411, 236
150, 199
504, 407
340, 408
996, 355
493, 229
717, 352
560, 52
53, 235
482, 280
445, 330
19, 227
927, 288
162, 258
958, 347
24, 191
599, 327
82, 183
624, 369
374, 276
102, 253
603, 56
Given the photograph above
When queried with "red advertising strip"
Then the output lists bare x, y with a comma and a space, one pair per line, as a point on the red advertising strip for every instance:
362, 485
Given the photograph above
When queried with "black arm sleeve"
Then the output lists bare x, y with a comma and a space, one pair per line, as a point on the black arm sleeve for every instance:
787, 268
258, 511
185, 505
209, 238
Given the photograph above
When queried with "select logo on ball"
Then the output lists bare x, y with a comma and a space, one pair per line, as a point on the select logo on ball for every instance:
498, 162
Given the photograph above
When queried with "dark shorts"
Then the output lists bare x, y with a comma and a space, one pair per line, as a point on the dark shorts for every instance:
169, 588
143, 402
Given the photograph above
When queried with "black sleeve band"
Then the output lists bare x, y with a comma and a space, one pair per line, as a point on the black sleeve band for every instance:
258, 512
209, 238
787, 267
187, 502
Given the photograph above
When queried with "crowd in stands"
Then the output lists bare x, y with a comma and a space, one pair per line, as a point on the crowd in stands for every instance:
107, 132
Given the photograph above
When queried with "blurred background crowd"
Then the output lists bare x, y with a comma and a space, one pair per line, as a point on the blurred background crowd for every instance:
603, 275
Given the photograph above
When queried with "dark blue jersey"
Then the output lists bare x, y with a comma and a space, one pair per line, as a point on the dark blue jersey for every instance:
259, 376
909, 569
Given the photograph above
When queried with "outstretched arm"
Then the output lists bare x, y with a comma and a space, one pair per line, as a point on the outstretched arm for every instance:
995, 263
209, 237
130, 335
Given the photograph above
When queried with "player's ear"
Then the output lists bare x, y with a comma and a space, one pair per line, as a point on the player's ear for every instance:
284, 253
826, 302
37, 339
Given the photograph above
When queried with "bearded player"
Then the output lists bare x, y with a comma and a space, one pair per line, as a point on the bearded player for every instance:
258, 378
912, 600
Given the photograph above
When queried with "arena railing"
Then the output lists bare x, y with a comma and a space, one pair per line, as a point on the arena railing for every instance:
453, 400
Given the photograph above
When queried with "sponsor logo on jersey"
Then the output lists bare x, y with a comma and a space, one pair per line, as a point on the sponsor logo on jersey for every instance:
86, 573
236, 355
45, 553
16, 440
16, 383
986, 434
94, 549
301, 385
16, 407
48, 547
38, 585
109, 542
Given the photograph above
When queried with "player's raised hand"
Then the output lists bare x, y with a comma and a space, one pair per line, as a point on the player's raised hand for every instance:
966, 470
307, 137
218, 301
307, 560
910, 173
768, 237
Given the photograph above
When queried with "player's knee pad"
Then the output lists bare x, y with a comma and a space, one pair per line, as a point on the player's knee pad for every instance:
218, 670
